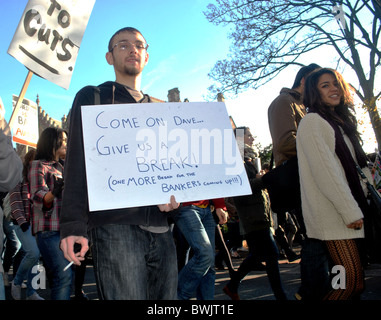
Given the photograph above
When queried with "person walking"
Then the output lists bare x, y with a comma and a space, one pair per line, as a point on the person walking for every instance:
10, 175
196, 222
132, 248
21, 212
284, 115
333, 198
255, 225
46, 186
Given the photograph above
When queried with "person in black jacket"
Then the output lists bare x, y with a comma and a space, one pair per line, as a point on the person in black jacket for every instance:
255, 224
133, 249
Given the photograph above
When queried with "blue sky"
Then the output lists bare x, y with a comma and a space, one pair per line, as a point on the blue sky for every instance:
184, 47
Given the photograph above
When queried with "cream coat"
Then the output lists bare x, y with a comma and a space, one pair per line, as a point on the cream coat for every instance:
327, 203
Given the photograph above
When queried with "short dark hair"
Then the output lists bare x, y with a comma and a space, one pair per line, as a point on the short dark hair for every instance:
50, 141
125, 29
304, 72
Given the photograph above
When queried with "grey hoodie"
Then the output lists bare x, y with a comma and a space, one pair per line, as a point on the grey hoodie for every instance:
10, 164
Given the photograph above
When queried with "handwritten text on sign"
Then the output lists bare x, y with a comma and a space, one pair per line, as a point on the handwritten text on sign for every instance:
25, 130
49, 35
141, 154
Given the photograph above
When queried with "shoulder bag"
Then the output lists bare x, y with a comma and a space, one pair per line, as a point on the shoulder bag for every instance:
283, 186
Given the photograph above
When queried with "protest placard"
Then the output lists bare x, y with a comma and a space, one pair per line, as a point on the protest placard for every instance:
48, 37
141, 154
25, 128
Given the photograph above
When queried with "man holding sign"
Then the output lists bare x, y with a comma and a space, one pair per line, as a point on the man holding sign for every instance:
133, 248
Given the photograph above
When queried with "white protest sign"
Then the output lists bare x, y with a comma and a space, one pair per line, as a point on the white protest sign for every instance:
48, 37
141, 154
25, 129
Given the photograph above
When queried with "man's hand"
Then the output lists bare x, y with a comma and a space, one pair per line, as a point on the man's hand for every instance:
222, 215
67, 247
173, 205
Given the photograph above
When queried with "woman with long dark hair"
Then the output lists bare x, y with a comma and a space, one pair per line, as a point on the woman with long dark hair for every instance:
46, 186
333, 197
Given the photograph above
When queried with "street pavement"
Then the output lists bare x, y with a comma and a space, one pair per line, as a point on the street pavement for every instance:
255, 286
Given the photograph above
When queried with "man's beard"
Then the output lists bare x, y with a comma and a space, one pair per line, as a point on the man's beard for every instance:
131, 71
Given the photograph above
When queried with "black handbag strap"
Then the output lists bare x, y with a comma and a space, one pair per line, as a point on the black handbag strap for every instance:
371, 189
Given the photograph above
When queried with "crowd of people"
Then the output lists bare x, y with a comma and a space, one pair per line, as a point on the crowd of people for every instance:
168, 251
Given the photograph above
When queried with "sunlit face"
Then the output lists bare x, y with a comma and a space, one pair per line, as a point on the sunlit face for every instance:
128, 60
248, 138
329, 89
61, 152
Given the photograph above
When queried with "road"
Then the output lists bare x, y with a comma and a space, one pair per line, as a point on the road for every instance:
254, 287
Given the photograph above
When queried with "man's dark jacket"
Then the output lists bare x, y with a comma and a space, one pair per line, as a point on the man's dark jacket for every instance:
75, 218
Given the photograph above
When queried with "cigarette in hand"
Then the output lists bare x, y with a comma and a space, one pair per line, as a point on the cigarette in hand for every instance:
68, 266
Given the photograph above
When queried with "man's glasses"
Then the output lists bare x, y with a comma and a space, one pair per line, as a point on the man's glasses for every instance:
125, 45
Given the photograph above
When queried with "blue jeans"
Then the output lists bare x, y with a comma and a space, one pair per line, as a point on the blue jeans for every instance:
133, 264
198, 275
13, 252
32, 255
49, 245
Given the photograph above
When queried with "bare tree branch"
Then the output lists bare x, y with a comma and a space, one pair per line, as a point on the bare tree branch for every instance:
268, 36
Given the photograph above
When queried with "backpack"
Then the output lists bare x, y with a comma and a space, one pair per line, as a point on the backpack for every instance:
283, 187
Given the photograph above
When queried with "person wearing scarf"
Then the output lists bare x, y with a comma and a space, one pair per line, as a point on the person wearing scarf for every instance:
333, 198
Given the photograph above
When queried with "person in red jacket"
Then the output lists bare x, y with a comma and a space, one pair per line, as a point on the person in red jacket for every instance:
196, 223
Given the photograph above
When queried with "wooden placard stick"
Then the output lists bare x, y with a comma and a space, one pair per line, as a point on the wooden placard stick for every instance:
20, 99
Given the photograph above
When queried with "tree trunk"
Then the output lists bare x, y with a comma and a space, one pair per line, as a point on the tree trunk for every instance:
374, 119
